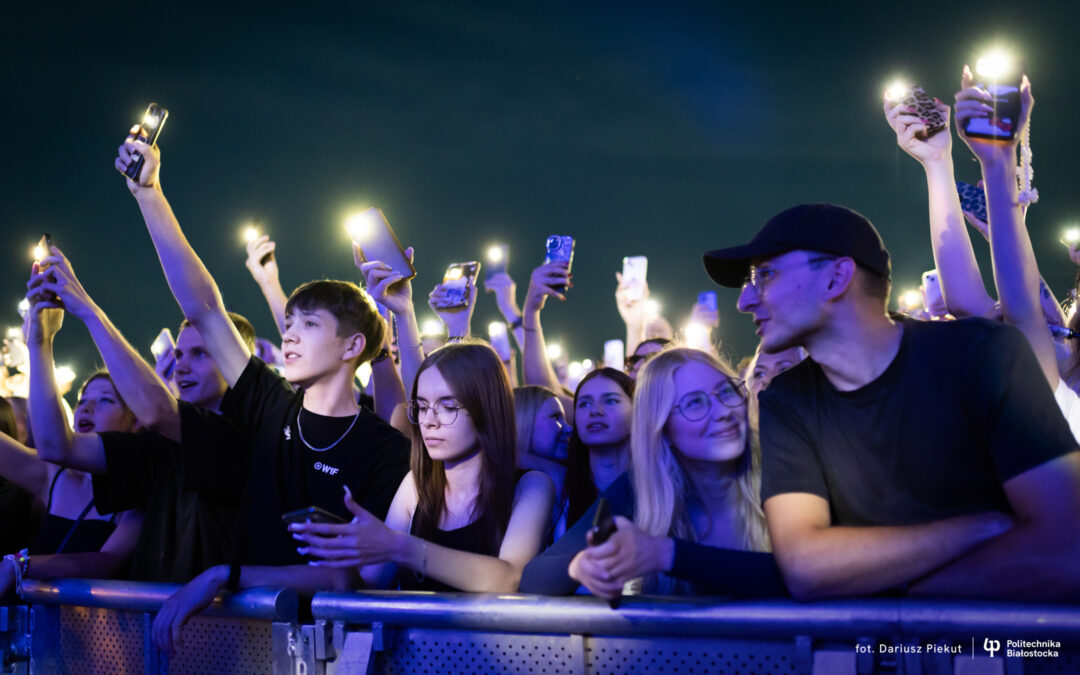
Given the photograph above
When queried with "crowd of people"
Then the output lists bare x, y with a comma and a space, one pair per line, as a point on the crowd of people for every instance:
858, 451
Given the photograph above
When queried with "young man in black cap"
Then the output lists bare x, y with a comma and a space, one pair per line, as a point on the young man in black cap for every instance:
900, 454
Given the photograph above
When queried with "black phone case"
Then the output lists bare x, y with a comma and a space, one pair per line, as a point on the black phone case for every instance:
135, 168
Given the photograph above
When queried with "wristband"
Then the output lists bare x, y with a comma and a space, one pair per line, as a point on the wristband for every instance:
517, 323
456, 338
383, 354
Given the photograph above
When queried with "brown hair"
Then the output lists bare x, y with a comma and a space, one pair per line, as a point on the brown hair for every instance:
476, 376
103, 374
243, 326
349, 304
579, 489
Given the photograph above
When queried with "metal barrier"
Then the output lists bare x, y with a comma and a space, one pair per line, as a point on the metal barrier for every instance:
76, 626
89, 627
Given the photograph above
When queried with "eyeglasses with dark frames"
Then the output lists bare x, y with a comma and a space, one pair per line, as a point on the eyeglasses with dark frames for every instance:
697, 405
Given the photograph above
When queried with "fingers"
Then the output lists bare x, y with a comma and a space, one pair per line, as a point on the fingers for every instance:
409, 254
358, 511
327, 552
342, 563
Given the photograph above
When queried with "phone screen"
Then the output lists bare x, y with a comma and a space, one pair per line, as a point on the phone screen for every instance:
614, 354
498, 260
634, 269
1001, 124
456, 283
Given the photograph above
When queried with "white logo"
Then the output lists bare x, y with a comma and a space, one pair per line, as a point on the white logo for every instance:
288, 433
326, 468
991, 646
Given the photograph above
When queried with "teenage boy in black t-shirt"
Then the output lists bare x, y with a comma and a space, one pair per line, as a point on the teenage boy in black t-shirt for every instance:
310, 438
899, 453
184, 532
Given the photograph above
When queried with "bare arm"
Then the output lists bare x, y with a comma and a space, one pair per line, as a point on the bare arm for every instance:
395, 293
266, 276
136, 382
535, 365
22, 466
190, 282
1036, 560
819, 560
1016, 273
101, 564
954, 256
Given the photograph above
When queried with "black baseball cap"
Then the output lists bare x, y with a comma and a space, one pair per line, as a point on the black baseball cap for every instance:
812, 227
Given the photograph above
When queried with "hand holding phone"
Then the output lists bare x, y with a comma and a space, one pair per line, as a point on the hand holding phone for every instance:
634, 269
457, 281
312, 514
559, 248
603, 527
148, 130
377, 242
997, 80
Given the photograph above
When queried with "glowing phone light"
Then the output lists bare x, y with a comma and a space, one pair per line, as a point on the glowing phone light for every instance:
697, 335
587, 364
994, 65
14, 333
897, 91
652, 309
496, 328
452, 274
251, 233
910, 299
38, 252
1071, 235
431, 328
65, 375
554, 351
360, 225
24, 307
495, 254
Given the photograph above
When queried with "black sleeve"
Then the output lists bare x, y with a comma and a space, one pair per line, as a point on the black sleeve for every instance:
1024, 422
723, 571
134, 463
548, 573
260, 398
392, 451
789, 462
215, 456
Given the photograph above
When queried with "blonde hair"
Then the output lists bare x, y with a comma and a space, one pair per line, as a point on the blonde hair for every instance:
661, 485
527, 401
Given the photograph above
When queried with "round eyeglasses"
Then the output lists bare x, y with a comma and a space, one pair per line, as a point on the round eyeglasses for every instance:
696, 405
445, 411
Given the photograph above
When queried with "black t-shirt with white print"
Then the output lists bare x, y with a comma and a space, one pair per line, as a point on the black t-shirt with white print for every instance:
287, 474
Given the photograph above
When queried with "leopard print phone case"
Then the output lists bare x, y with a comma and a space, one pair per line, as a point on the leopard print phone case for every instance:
924, 107
972, 199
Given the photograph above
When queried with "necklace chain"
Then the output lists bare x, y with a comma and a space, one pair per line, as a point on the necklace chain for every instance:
300, 431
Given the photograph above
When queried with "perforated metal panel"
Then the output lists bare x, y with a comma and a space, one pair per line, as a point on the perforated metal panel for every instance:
224, 647
1066, 662
434, 652
614, 656
84, 641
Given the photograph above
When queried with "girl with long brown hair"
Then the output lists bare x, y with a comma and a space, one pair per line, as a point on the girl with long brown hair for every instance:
458, 521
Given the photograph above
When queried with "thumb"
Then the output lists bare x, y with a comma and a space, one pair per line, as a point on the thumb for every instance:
966, 78
409, 254
353, 507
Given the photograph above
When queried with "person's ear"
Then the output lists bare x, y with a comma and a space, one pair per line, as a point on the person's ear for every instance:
840, 278
354, 346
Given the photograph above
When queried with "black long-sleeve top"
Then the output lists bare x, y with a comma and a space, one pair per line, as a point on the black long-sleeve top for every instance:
709, 569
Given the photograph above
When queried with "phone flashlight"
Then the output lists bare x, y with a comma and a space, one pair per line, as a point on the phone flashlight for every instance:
554, 351
910, 299
652, 309
431, 327
495, 254
251, 233
24, 307
897, 91
995, 65
1071, 236
360, 226
697, 335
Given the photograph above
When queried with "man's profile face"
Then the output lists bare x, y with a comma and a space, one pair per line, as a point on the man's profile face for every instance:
785, 298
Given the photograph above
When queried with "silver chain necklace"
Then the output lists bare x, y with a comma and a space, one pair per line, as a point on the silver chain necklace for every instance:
300, 431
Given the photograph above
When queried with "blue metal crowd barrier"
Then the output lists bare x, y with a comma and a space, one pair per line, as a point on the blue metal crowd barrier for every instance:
80, 626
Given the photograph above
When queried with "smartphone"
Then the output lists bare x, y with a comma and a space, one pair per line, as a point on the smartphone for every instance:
162, 343
377, 241
972, 199
614, 354
559, 248
152, 123
500, 340
708, 300
44, 247
934, 300
633, 275
1005, 90
313, 514
603, 524
456, 283
924, 107
498, 260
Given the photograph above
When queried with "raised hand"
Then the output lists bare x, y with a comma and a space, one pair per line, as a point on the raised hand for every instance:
911, 131
458, 318
261, 261
136, 143
542, 285
974, 103
385, 286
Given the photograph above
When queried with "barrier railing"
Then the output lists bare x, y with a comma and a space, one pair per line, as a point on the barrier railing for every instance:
78, 626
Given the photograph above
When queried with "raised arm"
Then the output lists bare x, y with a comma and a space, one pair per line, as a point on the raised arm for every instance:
535, 365
1016, 272
820, 560
136, 382
189, 280
632, 311
395, 293
954, 257
262, 263
505, 290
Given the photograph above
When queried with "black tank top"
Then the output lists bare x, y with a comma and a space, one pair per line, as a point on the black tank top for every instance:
82, 535
470, 538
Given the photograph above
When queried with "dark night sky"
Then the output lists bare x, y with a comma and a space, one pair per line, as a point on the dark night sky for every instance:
639, 129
